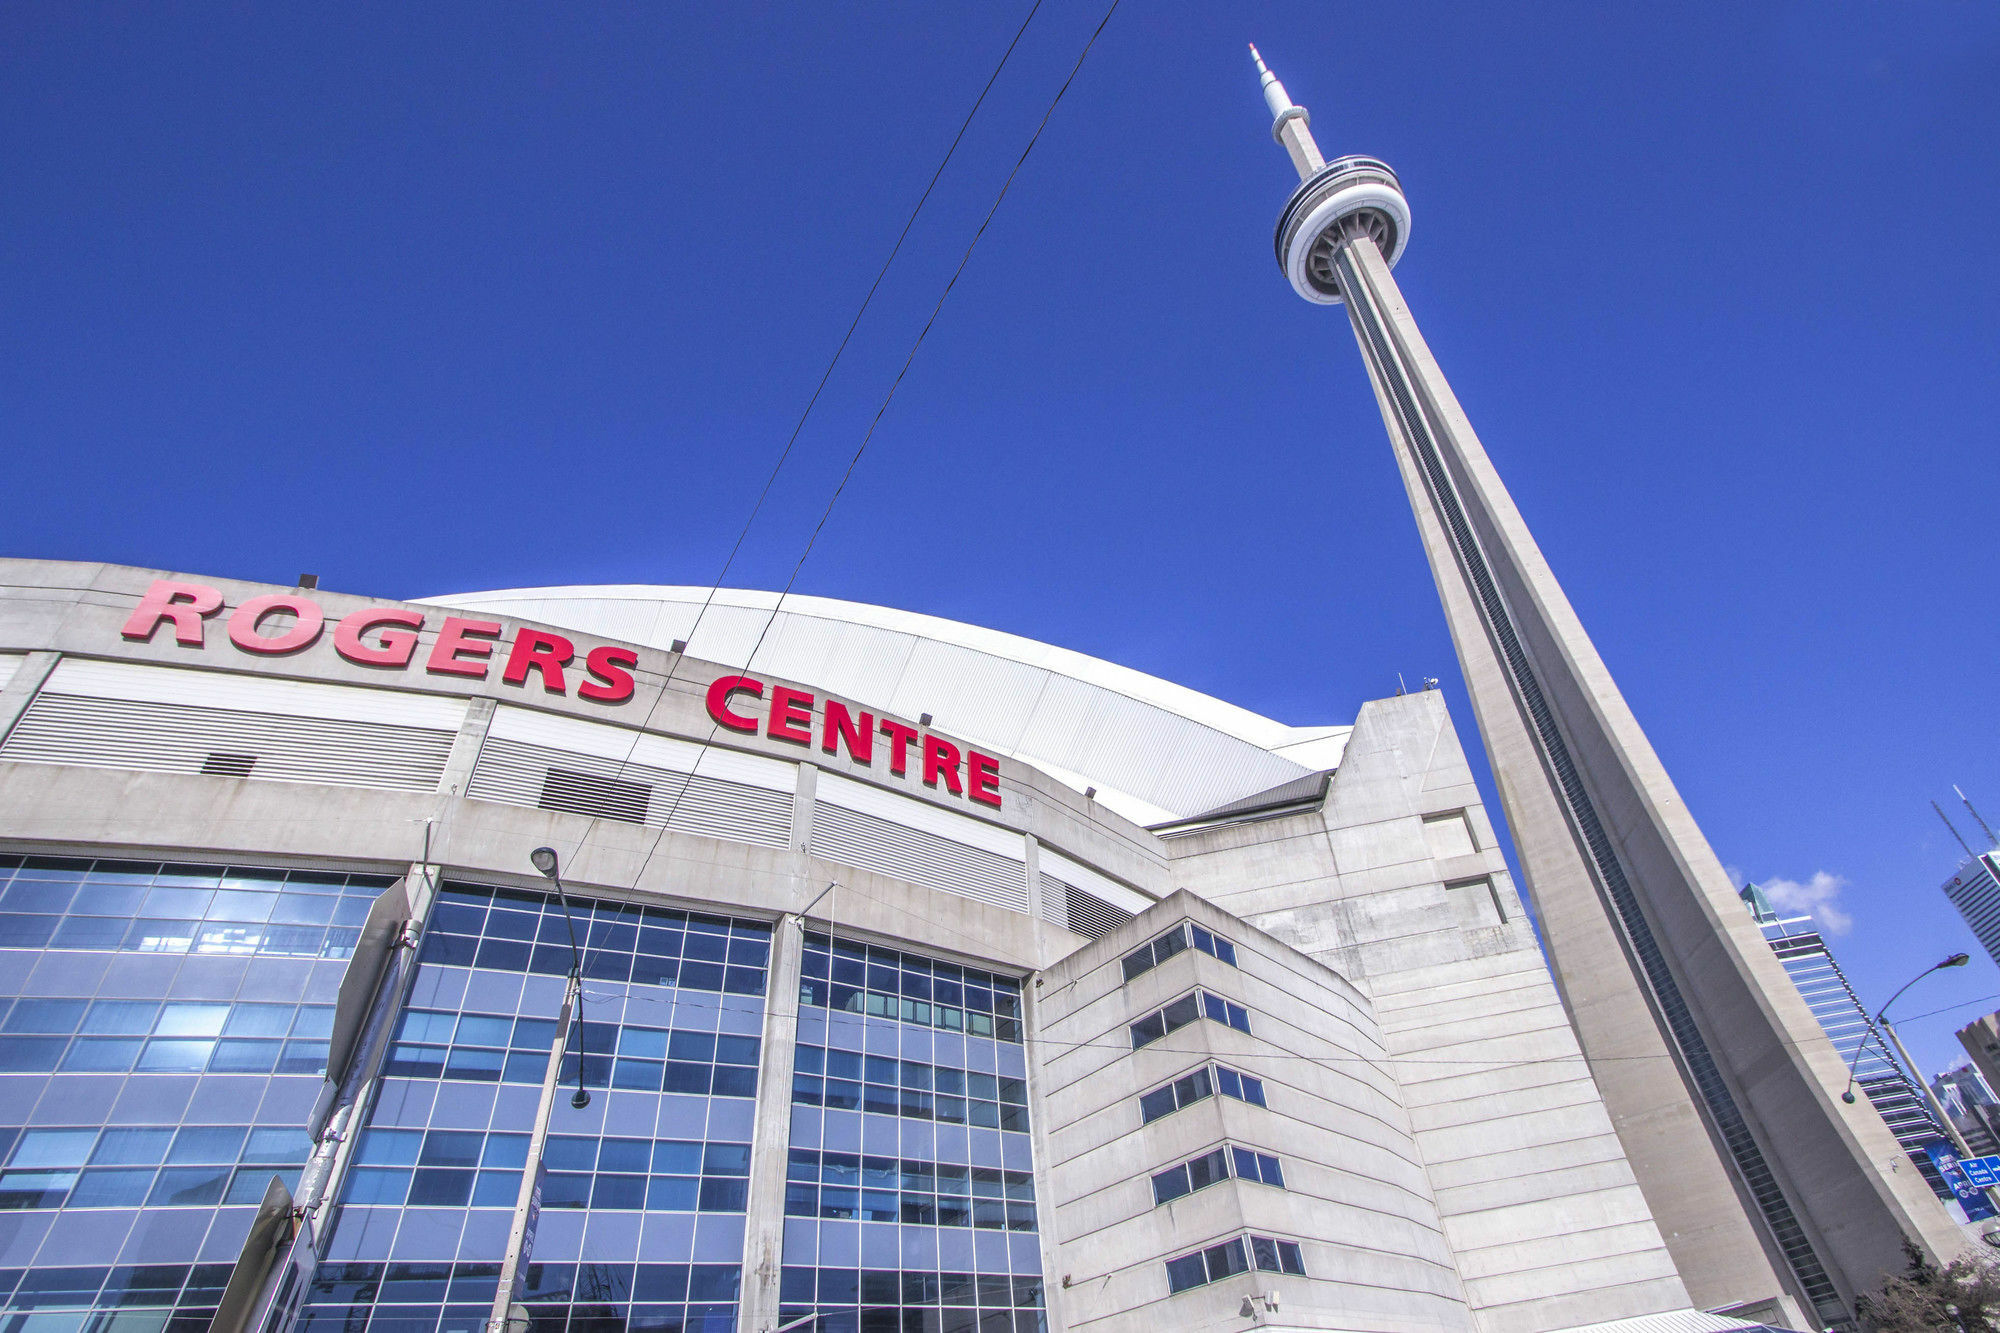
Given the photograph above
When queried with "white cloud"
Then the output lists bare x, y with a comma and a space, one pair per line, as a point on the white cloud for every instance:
1814, 898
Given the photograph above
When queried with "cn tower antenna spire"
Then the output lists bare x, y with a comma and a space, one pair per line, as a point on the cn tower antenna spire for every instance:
1291, 124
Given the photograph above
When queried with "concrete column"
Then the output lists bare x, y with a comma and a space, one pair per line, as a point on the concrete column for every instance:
770, 1138
1045, 1212
465, 749
803, 798
21, 690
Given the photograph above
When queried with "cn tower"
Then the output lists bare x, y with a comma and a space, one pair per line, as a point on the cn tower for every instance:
1772, 1194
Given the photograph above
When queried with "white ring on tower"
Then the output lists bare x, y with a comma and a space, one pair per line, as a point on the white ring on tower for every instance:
1359, 197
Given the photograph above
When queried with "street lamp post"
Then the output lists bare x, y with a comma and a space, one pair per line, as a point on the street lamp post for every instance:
1881, 1020
527, 1203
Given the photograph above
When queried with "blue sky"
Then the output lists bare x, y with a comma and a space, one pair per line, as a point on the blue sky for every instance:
453, 296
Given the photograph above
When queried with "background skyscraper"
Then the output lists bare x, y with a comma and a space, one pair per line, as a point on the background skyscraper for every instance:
1974, 889
1797, 942
1724, 1090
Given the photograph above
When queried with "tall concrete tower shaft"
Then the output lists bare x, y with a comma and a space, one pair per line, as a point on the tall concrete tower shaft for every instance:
1724, 1090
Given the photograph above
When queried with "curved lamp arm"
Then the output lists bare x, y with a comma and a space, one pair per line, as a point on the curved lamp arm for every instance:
1956, 960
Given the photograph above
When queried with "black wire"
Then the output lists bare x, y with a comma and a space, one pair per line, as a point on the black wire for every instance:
876, 421
812, 402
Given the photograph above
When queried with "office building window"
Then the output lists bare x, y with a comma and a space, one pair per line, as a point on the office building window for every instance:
852, 1187
1183, 936
1214, 1166
514, 930
1233, 1256
884, 983
1195, 1004
1197, 1084
671, 1022
852, 1081
847, 1299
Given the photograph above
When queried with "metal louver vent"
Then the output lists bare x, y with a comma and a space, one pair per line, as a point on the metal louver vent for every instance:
571, 792
1090, 903
871, 843
519, 772
184, 738
1086, 914
227, 764
1055, 903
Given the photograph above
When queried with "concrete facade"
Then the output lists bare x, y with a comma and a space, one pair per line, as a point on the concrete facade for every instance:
1447, 1160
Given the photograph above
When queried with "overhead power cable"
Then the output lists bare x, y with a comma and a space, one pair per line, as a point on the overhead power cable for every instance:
784, 455
869, 435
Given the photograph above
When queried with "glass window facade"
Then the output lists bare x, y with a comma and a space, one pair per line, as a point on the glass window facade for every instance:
162, 1038
644, 1197
886, 983
1195, 1004
1183, 936
910, 1192
1235, 1255
1197, 1085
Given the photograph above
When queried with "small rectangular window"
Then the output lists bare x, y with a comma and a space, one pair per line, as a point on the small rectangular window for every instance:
1236, 1255
1155, 1104
1449, 834
1207, 1169
1186, 1273
1171, 1184
1225, 1259
1183, 936
1475, 902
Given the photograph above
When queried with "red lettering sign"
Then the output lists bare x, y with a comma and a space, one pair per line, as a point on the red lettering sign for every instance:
900, 735
457, 637
387, 636
788, 716
394, 647
982, 778
538, 650
842, 728
186, 604
719, 694
306, 624
791, 715
613, 683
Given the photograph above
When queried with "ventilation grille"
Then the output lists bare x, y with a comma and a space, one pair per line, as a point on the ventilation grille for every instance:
1055, 905
185, 738
872, 843
517, 772
1090, 903
1085, 914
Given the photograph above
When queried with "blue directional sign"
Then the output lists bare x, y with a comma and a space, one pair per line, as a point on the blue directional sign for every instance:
1981, 1171
1971, 1196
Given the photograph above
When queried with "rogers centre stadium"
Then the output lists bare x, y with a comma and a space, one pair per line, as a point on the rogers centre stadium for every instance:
932, 979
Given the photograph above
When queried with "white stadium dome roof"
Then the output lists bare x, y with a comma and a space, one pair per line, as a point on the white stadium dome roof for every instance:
1156, 751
